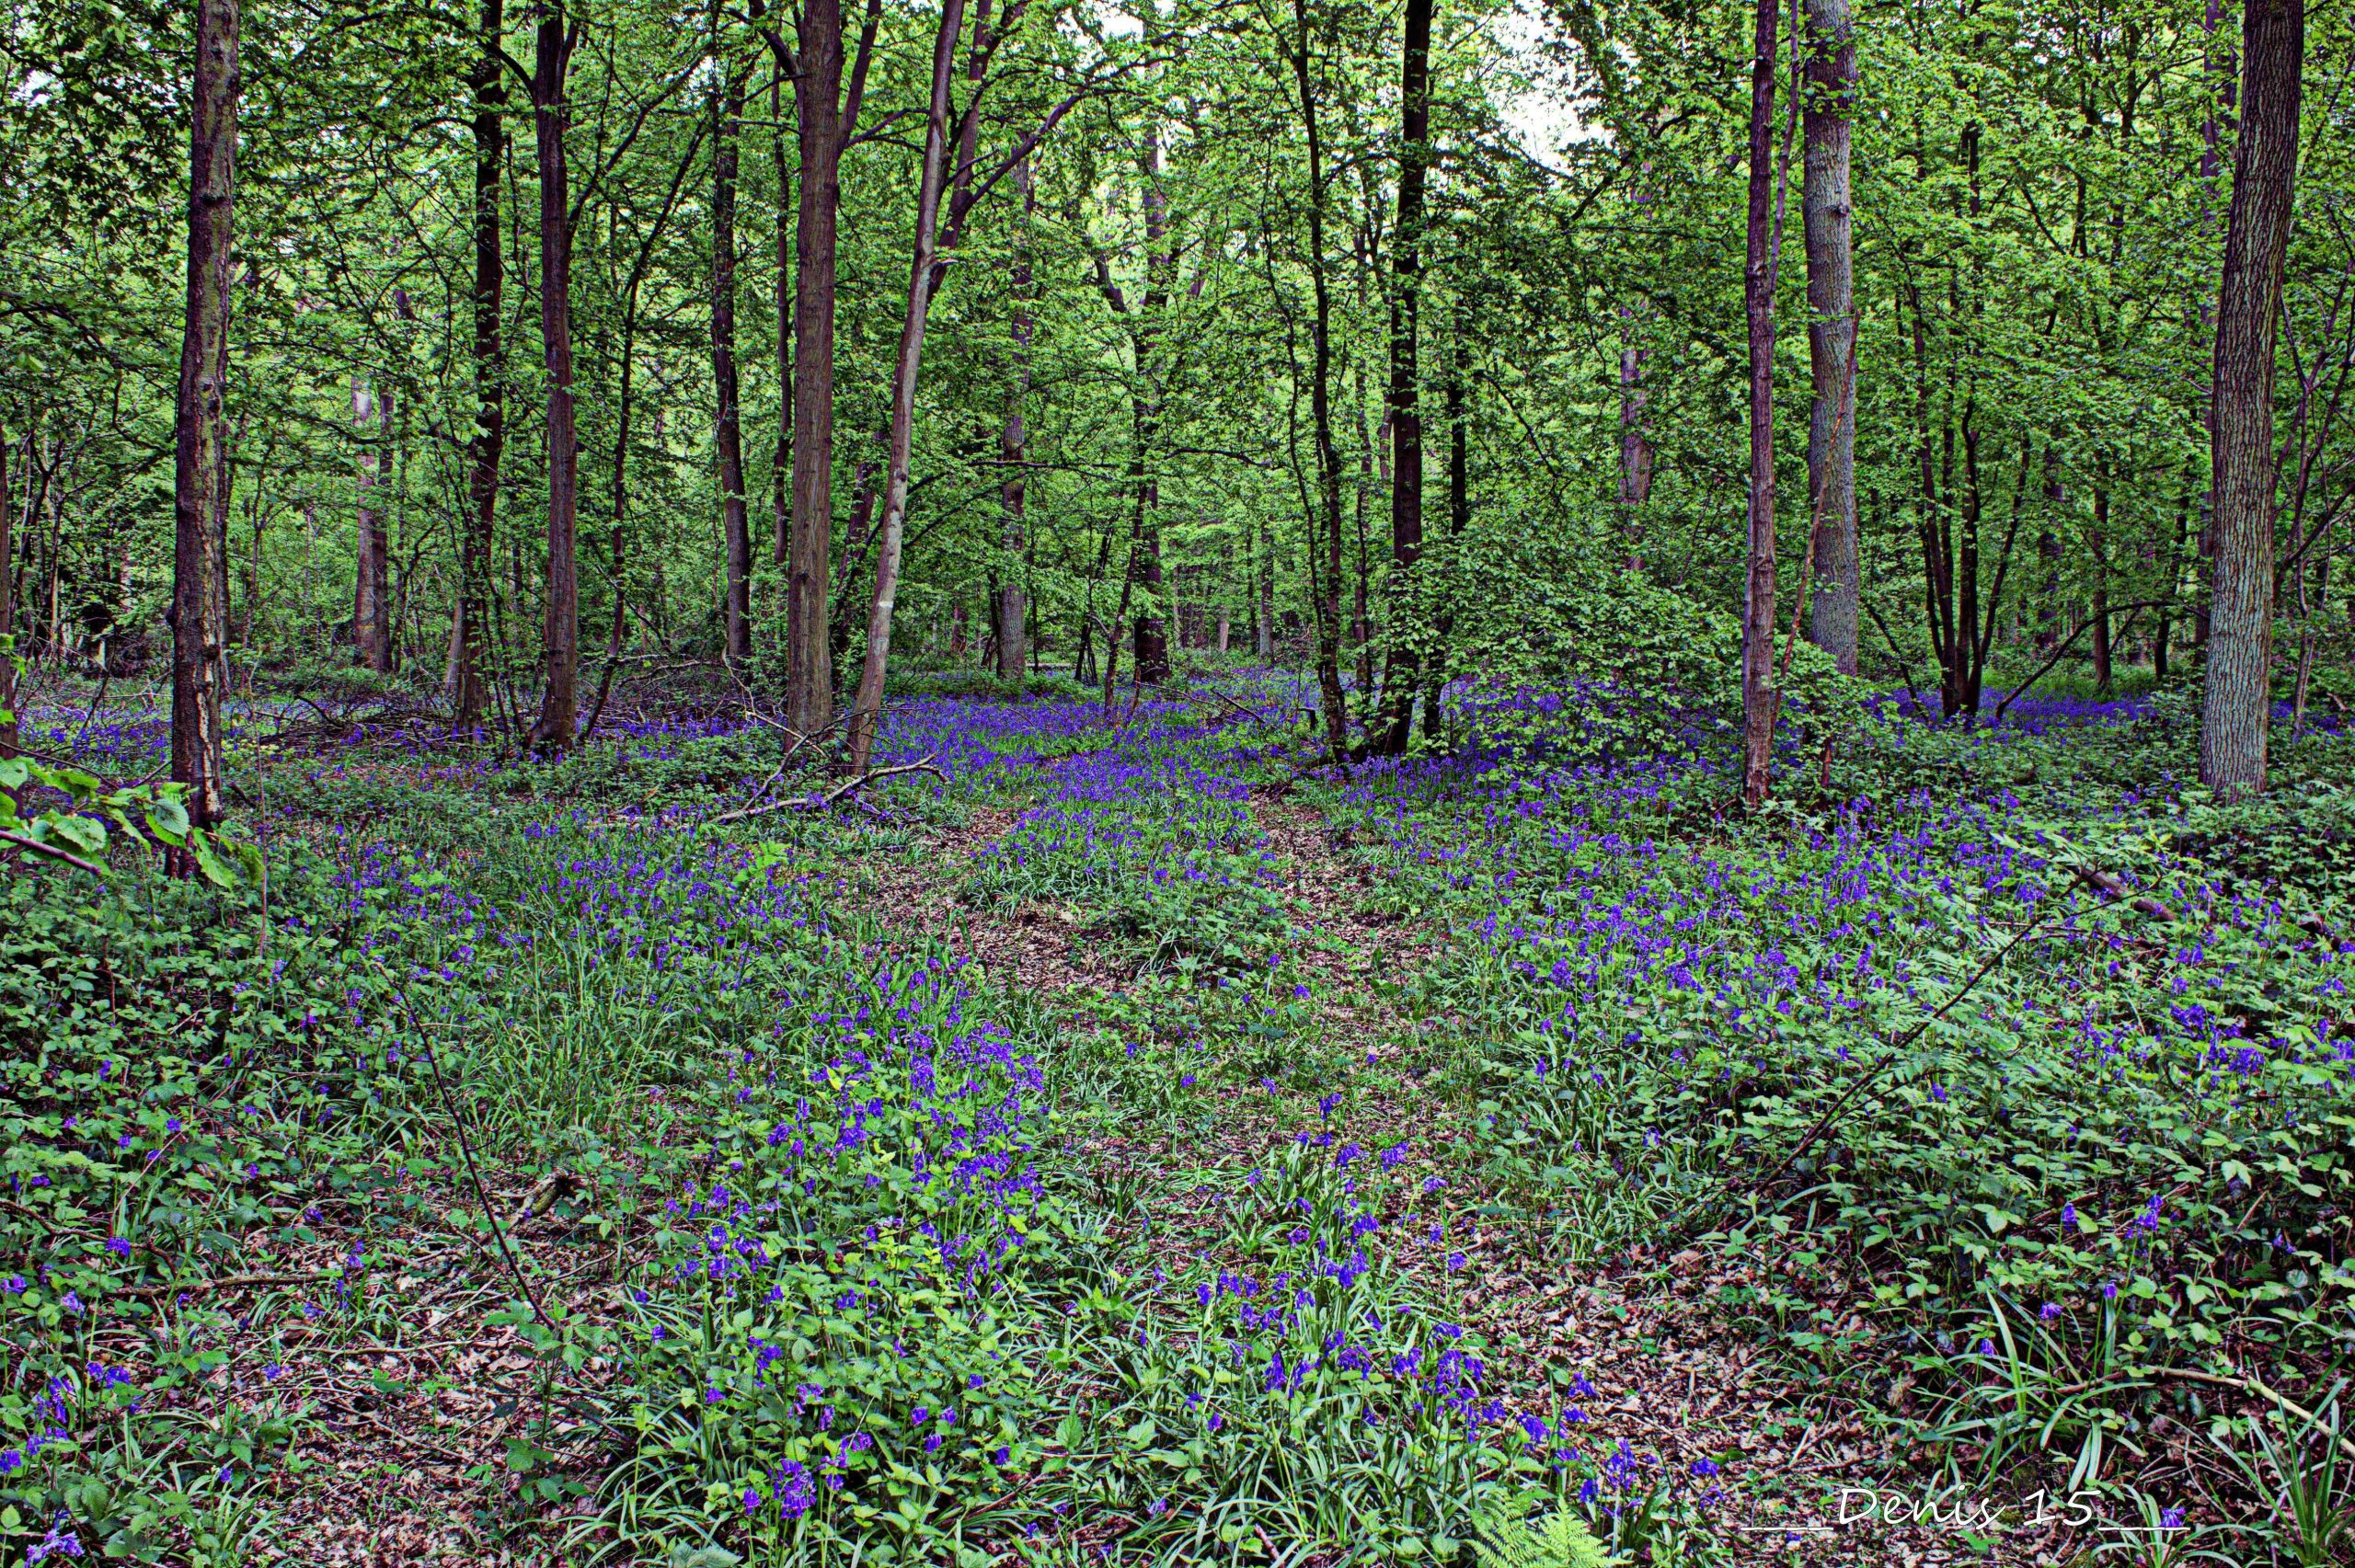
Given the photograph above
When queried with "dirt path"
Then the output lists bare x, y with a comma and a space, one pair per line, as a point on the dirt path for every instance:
1643, 1346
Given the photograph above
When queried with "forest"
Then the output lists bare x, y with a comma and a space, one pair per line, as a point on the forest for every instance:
1556, 784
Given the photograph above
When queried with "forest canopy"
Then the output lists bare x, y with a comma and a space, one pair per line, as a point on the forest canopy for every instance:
582, 338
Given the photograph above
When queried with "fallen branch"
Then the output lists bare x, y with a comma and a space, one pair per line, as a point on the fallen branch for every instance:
2258, 1389
2096, 878
826, 801
222, 1282
852, 786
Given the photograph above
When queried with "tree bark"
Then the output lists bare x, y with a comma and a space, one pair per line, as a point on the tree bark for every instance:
727, 118
824, 125
9, 650
1832, 332
1011, 620
1759, 697
2097, 545
1152, 632
371, 615
199, 435
2235, 705
1404, 662
1326, 584
553, 733
468, 694
781, 461
866, 708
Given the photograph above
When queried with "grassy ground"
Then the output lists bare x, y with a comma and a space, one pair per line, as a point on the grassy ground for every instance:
1133, 1147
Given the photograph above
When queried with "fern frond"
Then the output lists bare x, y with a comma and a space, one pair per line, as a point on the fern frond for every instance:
1558, 1541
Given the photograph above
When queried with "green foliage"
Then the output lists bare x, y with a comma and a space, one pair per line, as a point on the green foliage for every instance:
1556, 1539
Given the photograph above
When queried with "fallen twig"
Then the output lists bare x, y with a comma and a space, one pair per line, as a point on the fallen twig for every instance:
826, 801
2258, 1389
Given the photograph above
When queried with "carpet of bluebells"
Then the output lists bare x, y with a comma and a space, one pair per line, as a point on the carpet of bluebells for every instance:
815, 1240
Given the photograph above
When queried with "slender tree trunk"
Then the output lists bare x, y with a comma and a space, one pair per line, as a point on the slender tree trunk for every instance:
1263, 619
727, 118
552, 732
368, 608
2097, 545
781, 461
2223, 66
1459, 517
1832, 332
866, 708
2234, 712
1152, 631
1635, 430
1012, 604
468, 694
1326, 583
200, 433
1759, 697
1404, 660
9, 650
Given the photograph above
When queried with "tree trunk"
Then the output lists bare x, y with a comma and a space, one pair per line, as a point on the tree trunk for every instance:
781, 461
866, 708
1011, 607
200, 434
1152, 631
9, 650
1832, 332
468, 694
1459, 515
2098, 543
2240, 640
1263, 621
1758, 694
371, 629
2223, 67
552, 732
1635, 431
816, 98
1404, 662
1326, 584
727, 118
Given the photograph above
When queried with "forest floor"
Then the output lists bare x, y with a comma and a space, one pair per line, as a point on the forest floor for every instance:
1140, 1151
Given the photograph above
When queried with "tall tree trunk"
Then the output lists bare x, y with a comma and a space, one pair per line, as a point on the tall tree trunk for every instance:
727, 118
370, 614
1404, 660
2240, 642
1758, 694
552, 732
1459, 516
824, 123
1152, 630
1012, 606
817, 95
200, 433
781, 461
866, 708
1832, 332
9, 650
1263, 618
2097, 545
1325, 531
2223, 67
469, 631
1635, 430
